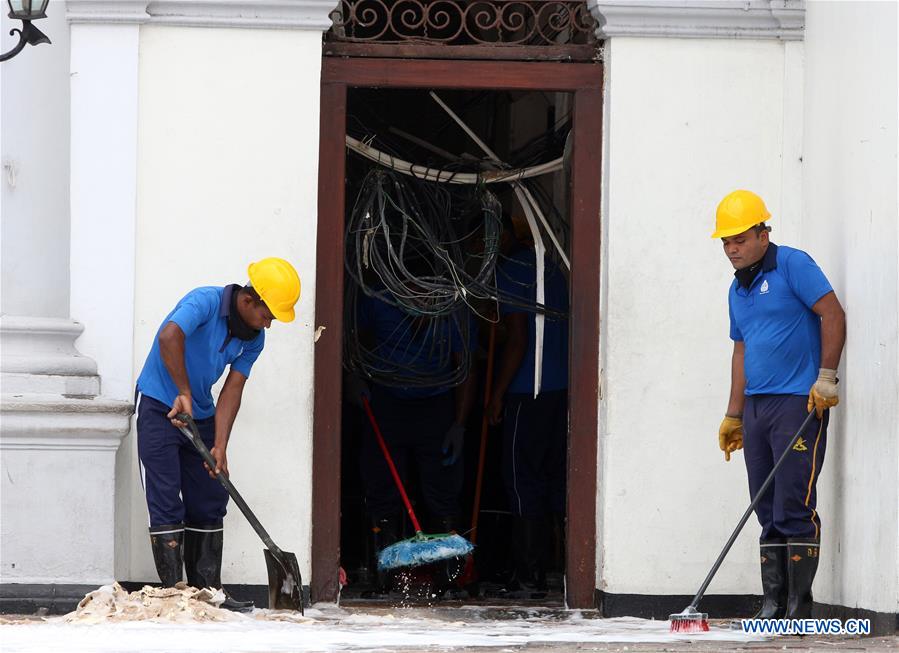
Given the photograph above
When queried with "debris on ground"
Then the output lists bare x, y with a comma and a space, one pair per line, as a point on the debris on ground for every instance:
179, 604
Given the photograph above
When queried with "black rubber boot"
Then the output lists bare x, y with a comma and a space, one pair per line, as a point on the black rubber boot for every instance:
384, 532
203, 562
801, 567
773, 556
167, 543
529, 552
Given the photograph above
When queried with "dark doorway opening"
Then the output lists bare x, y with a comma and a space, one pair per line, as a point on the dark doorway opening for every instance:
522, 468
583, 82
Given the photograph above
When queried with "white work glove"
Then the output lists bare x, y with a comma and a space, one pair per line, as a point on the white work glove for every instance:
824, 393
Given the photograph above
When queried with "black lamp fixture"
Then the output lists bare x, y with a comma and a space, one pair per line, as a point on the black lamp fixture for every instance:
26, 11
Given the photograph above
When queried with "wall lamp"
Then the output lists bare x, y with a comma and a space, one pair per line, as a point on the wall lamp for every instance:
26, 11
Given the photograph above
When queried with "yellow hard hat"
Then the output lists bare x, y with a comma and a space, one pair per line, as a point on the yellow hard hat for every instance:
278, 284
740, 211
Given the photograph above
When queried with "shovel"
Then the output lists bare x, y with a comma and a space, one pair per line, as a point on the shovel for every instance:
284, 581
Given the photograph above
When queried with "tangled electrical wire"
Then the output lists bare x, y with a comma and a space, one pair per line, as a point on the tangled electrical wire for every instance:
406, 248
430, 250
410, 236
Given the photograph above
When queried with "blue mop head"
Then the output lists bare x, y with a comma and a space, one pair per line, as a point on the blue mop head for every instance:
422, 549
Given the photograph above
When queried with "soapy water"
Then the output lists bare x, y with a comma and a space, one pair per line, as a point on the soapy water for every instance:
190, 623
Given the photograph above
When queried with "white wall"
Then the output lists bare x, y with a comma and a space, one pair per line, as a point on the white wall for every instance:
84, 553
687, 122
227, 174
850, 227
104, 88
34, 103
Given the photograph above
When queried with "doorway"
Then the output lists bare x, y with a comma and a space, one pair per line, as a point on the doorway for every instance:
346, 91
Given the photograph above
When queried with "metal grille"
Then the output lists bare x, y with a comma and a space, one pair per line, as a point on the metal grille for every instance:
509, 23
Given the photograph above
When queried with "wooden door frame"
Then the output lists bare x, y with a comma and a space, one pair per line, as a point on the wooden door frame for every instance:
585, 82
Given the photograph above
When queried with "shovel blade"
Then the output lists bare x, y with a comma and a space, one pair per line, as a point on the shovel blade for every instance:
285, 585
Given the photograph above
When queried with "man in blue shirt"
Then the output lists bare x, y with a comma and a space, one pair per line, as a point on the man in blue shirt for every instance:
421, 395
535, 429
210, 328
788, 330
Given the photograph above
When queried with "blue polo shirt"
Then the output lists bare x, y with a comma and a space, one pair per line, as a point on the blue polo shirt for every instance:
414, 346
202, 314
516, 276
774, 318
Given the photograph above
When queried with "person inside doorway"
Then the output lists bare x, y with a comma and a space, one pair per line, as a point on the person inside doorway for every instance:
535, 428
421, 420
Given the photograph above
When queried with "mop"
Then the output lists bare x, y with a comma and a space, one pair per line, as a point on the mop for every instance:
691, 620
420, 549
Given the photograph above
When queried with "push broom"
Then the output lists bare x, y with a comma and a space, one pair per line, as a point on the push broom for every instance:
420, 549
691, 620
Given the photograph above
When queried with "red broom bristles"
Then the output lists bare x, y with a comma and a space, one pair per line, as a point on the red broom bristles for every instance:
689, 624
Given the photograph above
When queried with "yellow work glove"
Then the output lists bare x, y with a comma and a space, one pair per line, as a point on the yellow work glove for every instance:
823, 394
730, 435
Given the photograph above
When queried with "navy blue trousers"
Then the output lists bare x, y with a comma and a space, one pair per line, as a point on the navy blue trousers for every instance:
178, 488
788, 508
535, 443
413, 429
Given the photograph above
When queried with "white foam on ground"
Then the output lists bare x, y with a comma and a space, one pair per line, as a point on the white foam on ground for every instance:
328, 628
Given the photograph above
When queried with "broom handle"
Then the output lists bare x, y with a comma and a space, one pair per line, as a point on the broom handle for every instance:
745, 517
387, 457
476, 508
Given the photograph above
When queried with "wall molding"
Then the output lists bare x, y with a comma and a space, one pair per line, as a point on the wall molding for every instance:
782, 20
41, 345
40, 422
111, 12
51, 392
253, 14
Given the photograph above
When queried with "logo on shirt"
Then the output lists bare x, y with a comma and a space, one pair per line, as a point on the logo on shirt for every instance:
800, 445
764, 289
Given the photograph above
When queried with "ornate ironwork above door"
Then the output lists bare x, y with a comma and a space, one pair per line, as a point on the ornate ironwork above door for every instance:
491, 29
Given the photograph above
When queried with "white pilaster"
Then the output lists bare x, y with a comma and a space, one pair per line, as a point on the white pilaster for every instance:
104, 92
57, 453
34, 147
58, 436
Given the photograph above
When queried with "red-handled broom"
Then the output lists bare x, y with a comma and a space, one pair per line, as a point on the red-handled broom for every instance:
420, 549
691, 620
